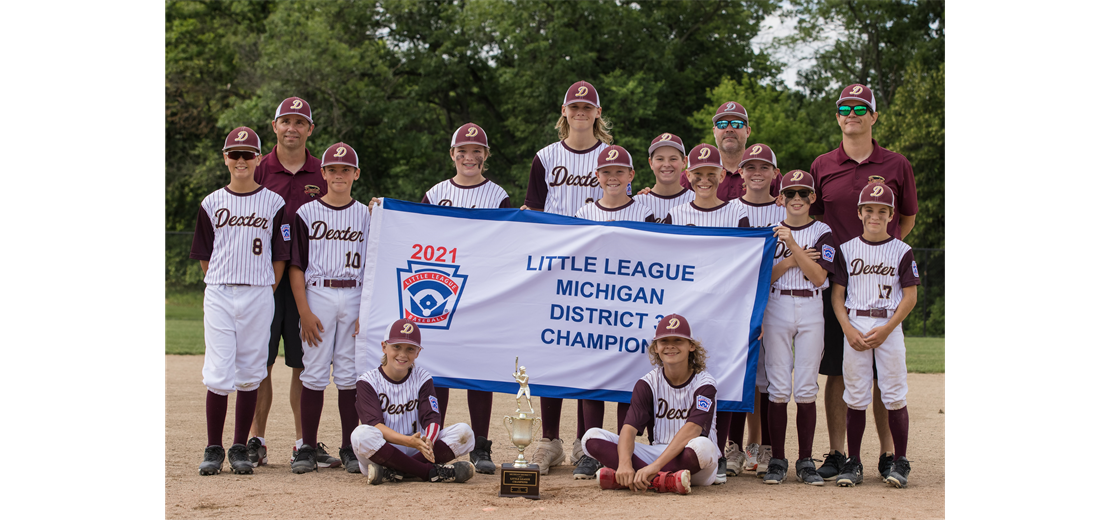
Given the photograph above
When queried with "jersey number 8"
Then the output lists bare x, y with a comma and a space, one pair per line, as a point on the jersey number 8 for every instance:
257, 248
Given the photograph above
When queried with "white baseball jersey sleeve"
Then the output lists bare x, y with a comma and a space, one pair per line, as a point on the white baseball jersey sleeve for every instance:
633, 211
875, 272
329, 243
729, 214
764, 215
485, 195
668, 408
660, 206
240, 235
406, 406
815, 235
562, 180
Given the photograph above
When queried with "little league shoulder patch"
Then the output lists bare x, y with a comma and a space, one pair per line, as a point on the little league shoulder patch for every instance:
913, 264
285, 232
828, 253
434, 402
704, 403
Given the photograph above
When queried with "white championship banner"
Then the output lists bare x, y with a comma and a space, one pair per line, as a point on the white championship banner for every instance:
576, 300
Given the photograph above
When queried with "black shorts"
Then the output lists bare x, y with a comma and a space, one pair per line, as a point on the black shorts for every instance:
287, 326
832, 361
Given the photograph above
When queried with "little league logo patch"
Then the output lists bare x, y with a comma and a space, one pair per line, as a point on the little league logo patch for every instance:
285, 234
913, 264
429, 292
704, 403
435, 403
828, 254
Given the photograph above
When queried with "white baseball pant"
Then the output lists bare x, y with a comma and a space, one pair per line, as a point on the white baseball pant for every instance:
337, 310
236, 336
366, 440
707, 452
797, 321
889, 361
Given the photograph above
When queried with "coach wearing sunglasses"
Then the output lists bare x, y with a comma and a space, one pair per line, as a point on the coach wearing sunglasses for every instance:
840, 175
731, 131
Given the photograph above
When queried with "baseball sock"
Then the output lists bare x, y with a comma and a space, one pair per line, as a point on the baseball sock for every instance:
312, 405
244, 414
551, 411
807, 425
348, 416
580, 428
776, 416
443, 395
215, 411
899, 421
764, 427
685, 460
594, 414
481, 408
736, 429
857, 422
606, 453
622, 412
394, 458
724, 420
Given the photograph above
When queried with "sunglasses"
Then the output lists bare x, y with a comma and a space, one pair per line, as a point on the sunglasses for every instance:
789, 194
860, 110
722, 124
236, 155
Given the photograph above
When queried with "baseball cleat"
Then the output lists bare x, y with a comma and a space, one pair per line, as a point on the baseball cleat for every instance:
587, 468
886, 461
576, 451
607, 479
237, 457
722, 471
213, 460
481, 456
806, 471
458, 472
833, 465
776, 471
751, 457
852, 474
900, 473
256, 452
549, 452
672, 482
305, 460
376, 474
324, 460
763, 460
734, 459
347, 455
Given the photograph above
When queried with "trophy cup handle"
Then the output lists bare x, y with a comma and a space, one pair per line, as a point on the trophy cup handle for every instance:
536, 426
509, 425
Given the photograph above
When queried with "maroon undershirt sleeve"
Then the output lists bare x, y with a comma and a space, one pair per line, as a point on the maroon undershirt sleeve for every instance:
367, 403
650, 218
426, 200
537, 185
279, 246
204, 238
822, 242
506, 204
641, 412
427, 414
744, 223
839, 274
703, 418
667, 220
905, 271
299, 245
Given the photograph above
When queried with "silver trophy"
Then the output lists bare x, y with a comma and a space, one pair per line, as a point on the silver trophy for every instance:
522, 427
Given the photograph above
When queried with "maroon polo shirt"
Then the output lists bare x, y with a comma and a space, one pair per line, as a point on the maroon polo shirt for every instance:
306, 185
840, 179
732, 187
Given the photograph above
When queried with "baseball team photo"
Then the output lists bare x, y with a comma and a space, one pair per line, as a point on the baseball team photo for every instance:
570, 259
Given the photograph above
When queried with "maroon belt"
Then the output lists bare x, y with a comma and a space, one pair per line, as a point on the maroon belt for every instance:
336, 283
797, 292
874, 313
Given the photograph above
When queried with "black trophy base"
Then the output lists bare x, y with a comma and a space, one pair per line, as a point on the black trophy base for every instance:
520, 482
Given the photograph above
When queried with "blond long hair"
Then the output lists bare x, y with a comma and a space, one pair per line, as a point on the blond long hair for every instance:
696, 360
601, 129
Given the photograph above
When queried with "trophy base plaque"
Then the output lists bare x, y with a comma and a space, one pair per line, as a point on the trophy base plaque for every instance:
520, 482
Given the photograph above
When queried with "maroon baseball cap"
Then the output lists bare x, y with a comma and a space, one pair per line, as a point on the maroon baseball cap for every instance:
759, 152
614, 156
404, 331
877, 193
730, 108
583, 92
796, 179
673, 325
469, 133
666, 140
243, 136
339, 153
294, 105
704, 155
859, 93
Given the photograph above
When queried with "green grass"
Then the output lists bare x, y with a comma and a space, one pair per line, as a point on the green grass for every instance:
925, 355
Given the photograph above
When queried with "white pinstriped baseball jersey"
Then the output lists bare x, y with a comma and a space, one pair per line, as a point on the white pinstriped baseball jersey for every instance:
400, 402
815, 235
486, 195
241, 227
568, 179
661, 206
729, 214
632, 211
764, 215
329, 243
875, 272
672, 407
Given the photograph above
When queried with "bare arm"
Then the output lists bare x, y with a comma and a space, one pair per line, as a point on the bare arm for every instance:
782, 267
878, 335
279, 270
685, 434
905, 223
416, 440
311, 328
204, 266
855, 339
626, 475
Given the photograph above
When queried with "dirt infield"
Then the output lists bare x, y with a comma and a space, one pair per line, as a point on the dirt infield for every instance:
274, 492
